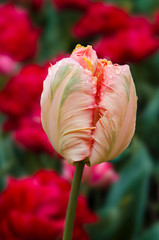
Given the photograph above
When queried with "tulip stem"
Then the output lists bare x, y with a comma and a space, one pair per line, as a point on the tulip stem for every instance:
71, 209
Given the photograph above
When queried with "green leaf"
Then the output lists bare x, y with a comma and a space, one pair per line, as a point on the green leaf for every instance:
152, 233
7, 159
148, 126
122, 215
56, 36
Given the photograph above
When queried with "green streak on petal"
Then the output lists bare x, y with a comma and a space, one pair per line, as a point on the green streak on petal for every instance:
127, 86
112, 143
60, 75
71, 87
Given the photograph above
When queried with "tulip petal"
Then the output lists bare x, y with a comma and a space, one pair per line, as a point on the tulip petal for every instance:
67, 109
117, 108
86, 57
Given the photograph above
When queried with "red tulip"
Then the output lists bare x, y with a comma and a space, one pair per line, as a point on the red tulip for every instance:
34, 208
18, 35
100, 18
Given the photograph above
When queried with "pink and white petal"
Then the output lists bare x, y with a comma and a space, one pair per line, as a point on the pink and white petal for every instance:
86, 57
128, 125
117, 108
70, 112
76, 118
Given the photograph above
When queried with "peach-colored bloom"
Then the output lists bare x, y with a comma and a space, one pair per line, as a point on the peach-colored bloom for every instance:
98, 176
88, 107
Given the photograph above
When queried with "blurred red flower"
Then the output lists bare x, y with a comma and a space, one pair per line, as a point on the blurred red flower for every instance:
23, 90
100, 18
78, 4
130, 44
34, 208
27, 132
20, 101
18, 36
7, 65
30, 134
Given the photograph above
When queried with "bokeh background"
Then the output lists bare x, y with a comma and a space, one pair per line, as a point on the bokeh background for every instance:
119, 200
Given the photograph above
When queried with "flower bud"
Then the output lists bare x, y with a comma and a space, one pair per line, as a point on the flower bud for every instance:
88, 107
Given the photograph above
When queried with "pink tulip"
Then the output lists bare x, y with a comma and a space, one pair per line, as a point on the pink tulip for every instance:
101, 175
7, 65
88, 107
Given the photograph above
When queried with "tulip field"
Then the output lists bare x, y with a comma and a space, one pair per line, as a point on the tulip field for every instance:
79, 106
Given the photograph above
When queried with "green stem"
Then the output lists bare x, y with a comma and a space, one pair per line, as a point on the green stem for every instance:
71, 210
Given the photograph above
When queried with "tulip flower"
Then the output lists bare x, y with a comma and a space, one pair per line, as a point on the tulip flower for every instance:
88, 107
88, 110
